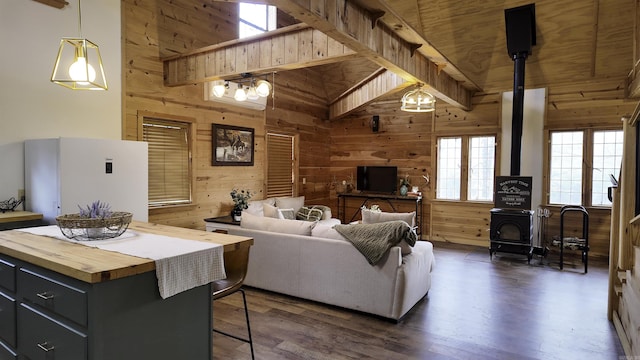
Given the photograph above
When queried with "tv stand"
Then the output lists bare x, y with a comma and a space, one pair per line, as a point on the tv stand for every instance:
391, 199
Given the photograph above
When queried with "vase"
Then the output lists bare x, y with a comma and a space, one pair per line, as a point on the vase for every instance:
403, 190
236, 214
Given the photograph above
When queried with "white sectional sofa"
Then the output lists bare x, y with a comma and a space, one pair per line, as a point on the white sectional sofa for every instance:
311, 260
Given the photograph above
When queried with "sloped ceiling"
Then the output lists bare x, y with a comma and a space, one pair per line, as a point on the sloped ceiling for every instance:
577, 40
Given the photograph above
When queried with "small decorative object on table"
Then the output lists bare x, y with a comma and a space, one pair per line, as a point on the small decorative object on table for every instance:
94, 222
240, 202
9, 205
404, 185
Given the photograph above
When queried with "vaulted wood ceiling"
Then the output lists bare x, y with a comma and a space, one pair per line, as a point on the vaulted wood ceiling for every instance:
577, 41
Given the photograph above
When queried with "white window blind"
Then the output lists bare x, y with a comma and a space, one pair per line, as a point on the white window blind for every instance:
280, 165
169, 161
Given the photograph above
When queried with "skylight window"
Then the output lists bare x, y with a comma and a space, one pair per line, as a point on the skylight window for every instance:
255, 19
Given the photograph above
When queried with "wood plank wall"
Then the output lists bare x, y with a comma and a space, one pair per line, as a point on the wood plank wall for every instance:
153, 30
329, 151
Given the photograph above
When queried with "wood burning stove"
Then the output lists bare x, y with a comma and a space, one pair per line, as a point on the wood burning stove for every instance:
511, 231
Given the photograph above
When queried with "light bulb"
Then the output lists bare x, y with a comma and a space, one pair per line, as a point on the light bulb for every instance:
79, 69
263, 88
219, 88
240, 94
252, 94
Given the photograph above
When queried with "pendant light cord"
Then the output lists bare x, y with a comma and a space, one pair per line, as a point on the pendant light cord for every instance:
79, 19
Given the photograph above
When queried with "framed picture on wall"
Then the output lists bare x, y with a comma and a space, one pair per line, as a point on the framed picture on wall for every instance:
232, 145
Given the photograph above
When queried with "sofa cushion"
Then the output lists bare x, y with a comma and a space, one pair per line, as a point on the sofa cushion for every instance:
310, 213
373, 217
256, 206
326, 230
294, 203
270, 211
296, 227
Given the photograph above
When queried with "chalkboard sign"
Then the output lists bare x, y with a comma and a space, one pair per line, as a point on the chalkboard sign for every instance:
513, 192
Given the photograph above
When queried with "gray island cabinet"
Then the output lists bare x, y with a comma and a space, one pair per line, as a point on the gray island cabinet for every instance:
65, 301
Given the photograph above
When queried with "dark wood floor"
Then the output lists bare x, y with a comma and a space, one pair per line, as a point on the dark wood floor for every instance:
477, 308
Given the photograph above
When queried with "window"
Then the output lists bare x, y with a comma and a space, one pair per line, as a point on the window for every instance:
472, 155
481, 168
607, 159
255, 19
572, 153
281, 165
448, 178
169, 161
566, 168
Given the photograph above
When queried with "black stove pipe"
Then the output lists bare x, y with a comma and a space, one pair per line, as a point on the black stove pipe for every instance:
517, 114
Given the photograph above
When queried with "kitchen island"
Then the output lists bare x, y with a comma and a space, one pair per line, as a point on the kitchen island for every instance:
62, 300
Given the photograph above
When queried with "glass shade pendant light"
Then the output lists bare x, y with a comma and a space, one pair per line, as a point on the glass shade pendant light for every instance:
79, 64
220, 87
418, 100
263, 88
240, 94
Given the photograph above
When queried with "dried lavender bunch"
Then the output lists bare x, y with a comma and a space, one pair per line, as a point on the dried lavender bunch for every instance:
97, 210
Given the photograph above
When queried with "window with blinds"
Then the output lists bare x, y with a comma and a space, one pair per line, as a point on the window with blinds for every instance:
280, 165
169, 161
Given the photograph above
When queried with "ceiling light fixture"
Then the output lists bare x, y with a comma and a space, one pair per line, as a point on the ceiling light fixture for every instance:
418, 100
78, 64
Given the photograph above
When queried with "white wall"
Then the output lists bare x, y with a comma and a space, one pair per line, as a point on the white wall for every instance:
532, 139
33, 107
531, 158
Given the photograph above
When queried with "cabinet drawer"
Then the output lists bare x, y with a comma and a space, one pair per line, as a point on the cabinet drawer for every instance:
6, 353
8, 319
7, 275
54, 295
43, 338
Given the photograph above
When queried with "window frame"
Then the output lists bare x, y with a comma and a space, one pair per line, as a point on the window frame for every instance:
190, 123
587, 164
465, 163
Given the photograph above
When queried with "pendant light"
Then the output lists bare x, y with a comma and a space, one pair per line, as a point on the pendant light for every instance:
418, 100
78, 64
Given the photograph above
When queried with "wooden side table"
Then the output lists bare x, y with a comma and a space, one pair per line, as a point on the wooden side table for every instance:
220, 224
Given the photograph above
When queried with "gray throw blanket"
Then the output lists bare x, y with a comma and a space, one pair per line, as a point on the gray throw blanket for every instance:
374, 240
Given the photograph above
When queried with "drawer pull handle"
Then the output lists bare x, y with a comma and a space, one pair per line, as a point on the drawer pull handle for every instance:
46, 295
46, 347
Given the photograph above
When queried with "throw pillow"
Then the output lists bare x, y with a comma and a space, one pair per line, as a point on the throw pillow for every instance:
255, 208
288, 214
309, 213
270, 211
373, 217
294, 203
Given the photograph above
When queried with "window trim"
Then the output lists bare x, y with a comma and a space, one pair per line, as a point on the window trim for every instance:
141, 115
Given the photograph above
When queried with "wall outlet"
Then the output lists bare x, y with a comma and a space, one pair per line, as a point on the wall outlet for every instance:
21, 194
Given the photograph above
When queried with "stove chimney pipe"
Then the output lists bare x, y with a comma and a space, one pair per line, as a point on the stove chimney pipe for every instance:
521, 36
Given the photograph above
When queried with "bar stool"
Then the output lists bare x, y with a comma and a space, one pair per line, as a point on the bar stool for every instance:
235, 264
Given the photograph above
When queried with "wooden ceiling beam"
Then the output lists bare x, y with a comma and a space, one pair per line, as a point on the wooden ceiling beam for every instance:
293, 47
351, 25
381, 82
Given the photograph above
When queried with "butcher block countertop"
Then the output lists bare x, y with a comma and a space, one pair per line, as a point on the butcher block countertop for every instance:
10, 216
93, 265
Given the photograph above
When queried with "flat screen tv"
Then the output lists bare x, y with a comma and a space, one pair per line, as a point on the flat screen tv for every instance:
377, 179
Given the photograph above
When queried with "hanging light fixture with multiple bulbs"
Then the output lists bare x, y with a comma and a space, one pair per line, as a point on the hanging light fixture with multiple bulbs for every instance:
418, 100
78, 64
254, 89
